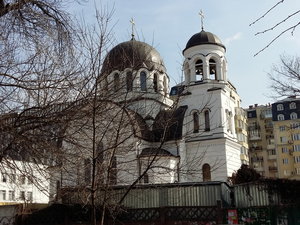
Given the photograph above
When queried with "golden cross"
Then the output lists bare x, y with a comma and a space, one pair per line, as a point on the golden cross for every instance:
202, 18
132, 27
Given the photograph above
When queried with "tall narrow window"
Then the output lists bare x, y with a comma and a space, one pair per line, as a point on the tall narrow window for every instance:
129, 81
199, 70
206, 120
280, 117
146, 178
116, 81
280, 107
155, 82
196, 122
206, 174
113, 171
165, 85
143, 81
212, 69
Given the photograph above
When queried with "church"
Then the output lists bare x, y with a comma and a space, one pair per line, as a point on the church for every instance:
186, 133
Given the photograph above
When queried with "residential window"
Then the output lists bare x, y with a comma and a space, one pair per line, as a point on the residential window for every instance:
297, 159
143, 81
296, 137
284, 150
280, 117
272, 152
293, 116
196, 122
296, 148
283, 139
297, 170
281, 128
11, 195
2, 195
285, 161
279, 107
295, 126
292, 105
286, 172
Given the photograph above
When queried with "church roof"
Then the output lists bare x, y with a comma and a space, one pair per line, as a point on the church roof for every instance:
133, 54
203, 38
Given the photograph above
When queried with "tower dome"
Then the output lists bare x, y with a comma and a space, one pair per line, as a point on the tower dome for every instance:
133, 54
203, 38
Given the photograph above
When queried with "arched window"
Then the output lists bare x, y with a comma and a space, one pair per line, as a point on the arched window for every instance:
143, 81
146, 178
279, 107
212, 69
292, 105
199, 70
206, 174
129, 81
196, 122
113, 171
116, 81
293, 116
206, 120
165, 85
155, 82
280, 117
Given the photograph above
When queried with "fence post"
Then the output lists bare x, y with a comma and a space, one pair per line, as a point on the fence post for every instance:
219, 212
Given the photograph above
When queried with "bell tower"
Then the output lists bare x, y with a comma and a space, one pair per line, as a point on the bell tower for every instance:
209, 126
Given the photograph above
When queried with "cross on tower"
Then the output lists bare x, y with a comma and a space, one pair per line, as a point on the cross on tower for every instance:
202, 18
132, 28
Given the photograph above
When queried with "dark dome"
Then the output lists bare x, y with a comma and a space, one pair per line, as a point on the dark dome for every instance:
203, 38
132, 54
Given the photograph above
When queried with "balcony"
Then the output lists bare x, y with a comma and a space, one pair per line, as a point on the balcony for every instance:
272, 157
257, 148
273, 168
271, 146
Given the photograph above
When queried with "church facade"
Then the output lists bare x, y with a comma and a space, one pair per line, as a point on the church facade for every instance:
186, 133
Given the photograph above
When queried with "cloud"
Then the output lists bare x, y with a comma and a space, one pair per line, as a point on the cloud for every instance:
235, 37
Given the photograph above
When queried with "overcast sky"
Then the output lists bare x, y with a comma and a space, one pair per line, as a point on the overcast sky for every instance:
168, 25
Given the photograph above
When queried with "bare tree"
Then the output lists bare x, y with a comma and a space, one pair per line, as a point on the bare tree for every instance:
282, 22
285, 77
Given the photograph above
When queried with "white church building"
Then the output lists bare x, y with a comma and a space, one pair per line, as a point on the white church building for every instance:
189, 130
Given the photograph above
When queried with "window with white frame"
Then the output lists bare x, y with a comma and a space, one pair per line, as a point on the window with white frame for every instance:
292, 105
284, 150
283, 139
281, 128
2, 195
286, 172
280, 117
293, 116
285, 161
296, 148
29, 196
297, 170
296, 137
279, 107
297, 159
295, 126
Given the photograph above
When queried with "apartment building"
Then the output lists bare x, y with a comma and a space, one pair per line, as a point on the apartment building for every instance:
242, 134
286, 121
262, 151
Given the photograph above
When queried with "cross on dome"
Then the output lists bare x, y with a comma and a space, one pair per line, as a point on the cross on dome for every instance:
132, 28
202, 18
